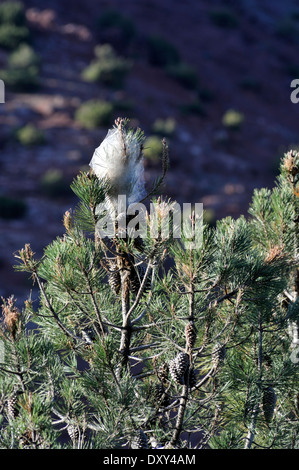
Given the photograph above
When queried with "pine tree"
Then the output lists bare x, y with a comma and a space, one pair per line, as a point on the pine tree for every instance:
148, 343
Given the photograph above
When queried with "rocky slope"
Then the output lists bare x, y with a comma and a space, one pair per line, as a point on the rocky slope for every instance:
246, 66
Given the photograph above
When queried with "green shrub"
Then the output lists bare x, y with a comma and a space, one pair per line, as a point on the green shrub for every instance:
250, 84
94, 113
164, 127
233, 119
12, 13
22, 57
12, 208
292, 70
107, 68
53, 183
162, 52
206, 95
224, 18
11, 36
124, 106
194, 107
19, 79
29, 135
209, 217
153, 148
113, 19
22, 73
183, 73
287, 29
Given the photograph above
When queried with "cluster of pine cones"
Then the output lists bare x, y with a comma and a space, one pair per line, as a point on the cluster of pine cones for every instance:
179, 370
269, 402
140, 440
135, 279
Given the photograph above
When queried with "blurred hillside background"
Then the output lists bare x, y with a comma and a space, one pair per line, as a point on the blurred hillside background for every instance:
213, 77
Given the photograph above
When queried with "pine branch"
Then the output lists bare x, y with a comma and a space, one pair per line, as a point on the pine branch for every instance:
252, 427
65, 330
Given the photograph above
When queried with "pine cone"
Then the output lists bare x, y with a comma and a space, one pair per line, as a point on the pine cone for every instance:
11, 408
218, 354
136, 277
134, 281
178, 367
174, 373
163, 372
182, 361
192, 378
88, 335
159, 395
140, 441
114, 279
190, 333
73, 431
269, 402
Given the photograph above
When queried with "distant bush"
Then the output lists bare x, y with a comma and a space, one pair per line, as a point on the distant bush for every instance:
250, 84
29, 135
12, 208
22, 73
94, 113
24, 56
19, 79
162, 52
194, 107
292, 70
224, 18
153, 148
164, 127
12, 35
209, 217
287, 29
107, 68
124, 106
12, 13
295, 15
53, 184
114, 20
233, 119
183, 73
206, 95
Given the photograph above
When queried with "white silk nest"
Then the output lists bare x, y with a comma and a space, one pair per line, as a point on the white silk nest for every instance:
119, 159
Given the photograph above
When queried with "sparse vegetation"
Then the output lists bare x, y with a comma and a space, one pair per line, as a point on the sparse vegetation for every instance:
250, 84
13, 28
164, 127
12, 13
233, 119
94, 113
11, 35
114, 20
30, 135
206, 95
194, 107
183, 73
53, 183
287, 29
107, 68
162, 52
26, 79
224, 18
11, 208
23, 69
153, 148
24, 56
